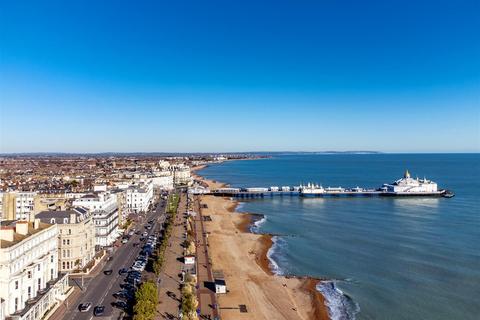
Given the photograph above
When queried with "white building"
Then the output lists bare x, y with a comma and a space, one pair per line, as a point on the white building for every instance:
16, 205
139, 197
408, 184
76, 237
24, 204
163, 180
181, 174
30, 284
104, 207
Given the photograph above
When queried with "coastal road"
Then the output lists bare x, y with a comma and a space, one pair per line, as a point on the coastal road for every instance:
100, 288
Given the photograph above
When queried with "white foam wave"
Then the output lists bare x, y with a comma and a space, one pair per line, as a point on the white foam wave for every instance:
257, 224
340, 306
273, 264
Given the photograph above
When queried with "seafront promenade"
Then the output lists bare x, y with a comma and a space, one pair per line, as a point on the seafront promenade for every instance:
254, 292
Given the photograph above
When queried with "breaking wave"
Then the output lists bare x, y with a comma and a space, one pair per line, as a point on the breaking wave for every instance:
255, 228
340, 305
274, 249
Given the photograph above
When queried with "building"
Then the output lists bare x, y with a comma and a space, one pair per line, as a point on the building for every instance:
181, 174
103, 206
220, 283
410, 185
30, 283
17, 205
139, 197
48, 202
189, 259
163, 180
76, 237
121, 205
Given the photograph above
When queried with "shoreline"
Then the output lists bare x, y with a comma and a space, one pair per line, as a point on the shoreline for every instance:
307, 302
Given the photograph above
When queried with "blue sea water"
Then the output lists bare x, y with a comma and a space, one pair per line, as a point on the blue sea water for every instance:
388, 258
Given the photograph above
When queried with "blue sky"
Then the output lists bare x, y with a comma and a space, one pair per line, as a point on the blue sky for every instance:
218, 76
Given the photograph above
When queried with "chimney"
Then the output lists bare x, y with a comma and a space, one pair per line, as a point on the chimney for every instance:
22, 227
73, 217
36, 224
7, 233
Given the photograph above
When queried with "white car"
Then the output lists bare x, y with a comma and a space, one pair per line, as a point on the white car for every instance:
139, 266
84, 307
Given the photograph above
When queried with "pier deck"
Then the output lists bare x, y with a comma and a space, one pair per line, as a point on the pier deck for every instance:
345, 193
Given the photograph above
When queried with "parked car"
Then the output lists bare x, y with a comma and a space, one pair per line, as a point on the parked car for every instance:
132, 281
134, 272
120, 304
84, 307
122, 271
123, 294
127, 286
98, 311
138, 267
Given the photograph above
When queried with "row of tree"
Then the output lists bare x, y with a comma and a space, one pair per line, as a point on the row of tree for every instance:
146, 297
166, 233
189, 299
146, 300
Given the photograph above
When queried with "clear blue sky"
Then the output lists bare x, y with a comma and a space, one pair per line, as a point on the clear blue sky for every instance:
394, 76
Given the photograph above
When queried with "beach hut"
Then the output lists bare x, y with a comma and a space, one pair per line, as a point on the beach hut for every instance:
219, 279
189, 259
220, 286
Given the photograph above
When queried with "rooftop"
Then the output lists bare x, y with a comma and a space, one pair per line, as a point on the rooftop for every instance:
79, 212
17, 238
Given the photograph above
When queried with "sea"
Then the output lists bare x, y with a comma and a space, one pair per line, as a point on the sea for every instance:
382, 258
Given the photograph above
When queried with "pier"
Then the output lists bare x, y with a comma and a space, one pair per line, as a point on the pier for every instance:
403, 187
327, 192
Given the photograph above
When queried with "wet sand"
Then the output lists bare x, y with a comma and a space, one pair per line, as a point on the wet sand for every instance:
242, 256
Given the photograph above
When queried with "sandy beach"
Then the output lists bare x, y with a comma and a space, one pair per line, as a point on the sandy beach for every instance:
242, 256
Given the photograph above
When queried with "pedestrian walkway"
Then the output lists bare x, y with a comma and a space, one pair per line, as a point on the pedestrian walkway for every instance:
206, 296
169, 292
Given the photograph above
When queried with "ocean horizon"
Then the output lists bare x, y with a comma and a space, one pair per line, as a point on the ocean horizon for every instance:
395, 258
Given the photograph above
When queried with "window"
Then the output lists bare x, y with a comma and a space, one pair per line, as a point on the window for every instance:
39, 283
16, 304
16, 284
63, 265
51, 274
51, 258
29, 293
69, 231
38, 267
68, 241
29, 274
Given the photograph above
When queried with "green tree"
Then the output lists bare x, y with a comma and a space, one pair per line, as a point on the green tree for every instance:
146, 300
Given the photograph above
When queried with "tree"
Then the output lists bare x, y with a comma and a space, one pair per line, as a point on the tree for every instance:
146, 300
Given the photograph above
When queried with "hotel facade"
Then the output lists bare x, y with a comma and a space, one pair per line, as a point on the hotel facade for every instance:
30, 283
104, 208
76, 237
